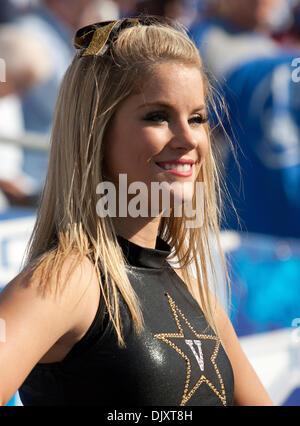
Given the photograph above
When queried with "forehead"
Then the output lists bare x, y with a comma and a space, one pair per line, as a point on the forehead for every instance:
172, 82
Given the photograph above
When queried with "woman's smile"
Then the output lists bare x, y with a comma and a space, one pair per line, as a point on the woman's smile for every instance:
182, 169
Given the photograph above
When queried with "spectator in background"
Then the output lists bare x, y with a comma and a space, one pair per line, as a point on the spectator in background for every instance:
289, 35
233, 32
126, 7
53, 22
169, 8
255, 15
255, 76
8, 11
24, 64
101, 10
181, 10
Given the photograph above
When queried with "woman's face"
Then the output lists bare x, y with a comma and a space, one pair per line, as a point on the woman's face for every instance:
161, 125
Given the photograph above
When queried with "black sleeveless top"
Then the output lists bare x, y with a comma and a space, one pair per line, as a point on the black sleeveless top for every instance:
176, 361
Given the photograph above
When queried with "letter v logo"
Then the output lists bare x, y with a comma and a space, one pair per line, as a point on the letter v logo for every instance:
199, 356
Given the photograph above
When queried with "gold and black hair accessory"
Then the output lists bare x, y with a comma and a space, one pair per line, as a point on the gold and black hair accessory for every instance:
95, 39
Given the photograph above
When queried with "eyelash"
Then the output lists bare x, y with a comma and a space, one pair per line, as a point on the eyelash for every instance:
163, 116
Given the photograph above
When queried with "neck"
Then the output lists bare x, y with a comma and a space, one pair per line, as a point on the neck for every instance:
141, 230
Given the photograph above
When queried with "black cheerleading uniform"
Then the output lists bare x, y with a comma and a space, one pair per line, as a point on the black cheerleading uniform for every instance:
177, 360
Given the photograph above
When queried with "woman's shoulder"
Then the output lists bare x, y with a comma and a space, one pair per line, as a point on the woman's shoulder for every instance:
58, 273
44, 318
67, 286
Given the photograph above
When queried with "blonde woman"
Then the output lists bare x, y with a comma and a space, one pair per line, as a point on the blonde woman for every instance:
99, 315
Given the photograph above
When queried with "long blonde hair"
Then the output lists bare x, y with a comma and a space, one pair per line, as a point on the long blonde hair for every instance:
67, 223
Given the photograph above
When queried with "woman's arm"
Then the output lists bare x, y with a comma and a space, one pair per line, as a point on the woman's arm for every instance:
32, 323
248, 389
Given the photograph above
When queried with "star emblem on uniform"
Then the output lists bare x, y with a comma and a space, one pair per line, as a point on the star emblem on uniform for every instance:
172, 338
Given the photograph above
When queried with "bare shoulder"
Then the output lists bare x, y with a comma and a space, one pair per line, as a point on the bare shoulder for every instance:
36, 320
248, 387
62, 289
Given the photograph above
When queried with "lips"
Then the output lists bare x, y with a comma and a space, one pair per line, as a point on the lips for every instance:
179, 169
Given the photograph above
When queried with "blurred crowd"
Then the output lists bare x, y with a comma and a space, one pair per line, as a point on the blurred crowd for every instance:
248, 48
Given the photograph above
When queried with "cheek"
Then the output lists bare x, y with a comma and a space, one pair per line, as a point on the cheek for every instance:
127, 153
145, 144
153, 140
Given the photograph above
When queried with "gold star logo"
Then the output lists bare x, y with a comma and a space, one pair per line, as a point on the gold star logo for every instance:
165, 337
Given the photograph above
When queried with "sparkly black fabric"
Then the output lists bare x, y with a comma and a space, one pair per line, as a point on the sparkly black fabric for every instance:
177, 360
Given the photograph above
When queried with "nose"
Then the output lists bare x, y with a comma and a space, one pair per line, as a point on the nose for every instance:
187, 138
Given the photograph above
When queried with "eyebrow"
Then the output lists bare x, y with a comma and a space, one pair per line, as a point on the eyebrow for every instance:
166, 105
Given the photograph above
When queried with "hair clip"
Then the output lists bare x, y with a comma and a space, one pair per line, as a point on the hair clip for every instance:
96, 38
